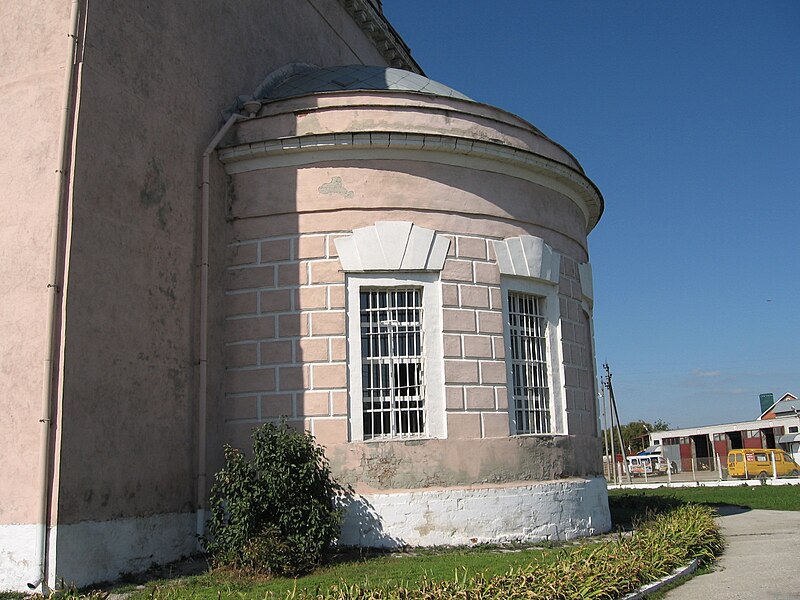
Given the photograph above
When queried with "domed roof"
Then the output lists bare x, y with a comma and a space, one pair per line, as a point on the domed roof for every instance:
355, 77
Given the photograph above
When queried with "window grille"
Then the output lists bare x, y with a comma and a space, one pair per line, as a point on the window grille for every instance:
530, 394
391, 362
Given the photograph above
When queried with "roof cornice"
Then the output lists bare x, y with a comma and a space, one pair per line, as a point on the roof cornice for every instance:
476, 154
381, 33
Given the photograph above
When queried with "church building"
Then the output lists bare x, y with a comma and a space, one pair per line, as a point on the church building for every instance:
217, 215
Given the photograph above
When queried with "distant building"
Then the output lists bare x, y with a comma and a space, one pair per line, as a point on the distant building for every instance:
777, 427
395, 267
787, 406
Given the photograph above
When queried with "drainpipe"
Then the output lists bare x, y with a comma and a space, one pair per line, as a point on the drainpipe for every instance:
54, 289
251, 107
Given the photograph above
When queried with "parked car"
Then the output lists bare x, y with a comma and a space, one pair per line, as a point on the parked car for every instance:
649, 464
758, 463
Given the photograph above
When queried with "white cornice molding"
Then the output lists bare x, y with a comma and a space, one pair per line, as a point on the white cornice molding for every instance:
528, 256
424, 147
392, 246
381, 33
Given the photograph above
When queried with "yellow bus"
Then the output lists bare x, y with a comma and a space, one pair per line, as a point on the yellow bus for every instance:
755, 463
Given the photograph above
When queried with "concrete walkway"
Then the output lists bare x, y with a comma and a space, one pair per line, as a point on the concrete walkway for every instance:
761, 559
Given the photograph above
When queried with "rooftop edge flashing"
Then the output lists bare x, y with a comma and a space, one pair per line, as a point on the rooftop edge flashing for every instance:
514, 117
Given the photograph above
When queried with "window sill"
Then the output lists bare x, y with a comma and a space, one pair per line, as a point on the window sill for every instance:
406, 440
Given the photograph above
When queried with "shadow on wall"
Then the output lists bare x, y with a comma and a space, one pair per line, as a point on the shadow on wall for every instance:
362, 525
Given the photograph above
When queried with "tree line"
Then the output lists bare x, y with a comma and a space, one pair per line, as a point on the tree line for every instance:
635, 436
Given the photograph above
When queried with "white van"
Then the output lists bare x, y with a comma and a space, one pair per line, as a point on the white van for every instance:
648, 464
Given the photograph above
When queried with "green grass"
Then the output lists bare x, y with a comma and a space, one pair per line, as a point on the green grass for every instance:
389, 570
605, 569
767, 497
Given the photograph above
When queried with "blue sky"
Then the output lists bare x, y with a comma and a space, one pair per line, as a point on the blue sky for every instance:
687, 117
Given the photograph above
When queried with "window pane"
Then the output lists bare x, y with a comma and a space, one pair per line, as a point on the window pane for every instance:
391, 354
527, 330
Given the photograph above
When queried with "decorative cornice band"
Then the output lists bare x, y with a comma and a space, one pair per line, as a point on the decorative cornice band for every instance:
381, 33
436, 148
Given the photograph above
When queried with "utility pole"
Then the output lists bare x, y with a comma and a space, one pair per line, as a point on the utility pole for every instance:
615, 415
606, 446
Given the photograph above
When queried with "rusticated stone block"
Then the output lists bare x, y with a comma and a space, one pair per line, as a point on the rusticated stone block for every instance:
250, 380
463, 425
330, 431
495, 425
460, 371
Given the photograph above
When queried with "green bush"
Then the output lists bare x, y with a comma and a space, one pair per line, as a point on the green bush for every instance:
275, 513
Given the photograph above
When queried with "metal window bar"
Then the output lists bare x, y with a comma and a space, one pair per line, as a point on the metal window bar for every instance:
392, 384
530, 393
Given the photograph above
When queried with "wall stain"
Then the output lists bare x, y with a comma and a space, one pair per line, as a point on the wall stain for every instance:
381, 468
230, 199
335, 186
154, 191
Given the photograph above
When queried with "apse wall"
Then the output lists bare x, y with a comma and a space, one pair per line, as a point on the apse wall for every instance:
335, 195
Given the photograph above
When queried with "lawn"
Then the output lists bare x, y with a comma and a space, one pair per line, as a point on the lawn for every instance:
768, 497
390, 569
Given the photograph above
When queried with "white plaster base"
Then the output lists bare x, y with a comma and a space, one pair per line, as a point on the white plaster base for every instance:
554, 510
19, 556
91, 551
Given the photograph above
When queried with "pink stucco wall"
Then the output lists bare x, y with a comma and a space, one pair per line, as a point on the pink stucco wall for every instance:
32, 54
147, 112
154, 80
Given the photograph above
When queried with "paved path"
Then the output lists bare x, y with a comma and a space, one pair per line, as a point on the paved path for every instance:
761, 559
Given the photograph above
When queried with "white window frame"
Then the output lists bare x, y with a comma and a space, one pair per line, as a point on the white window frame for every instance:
555, 365
432, 350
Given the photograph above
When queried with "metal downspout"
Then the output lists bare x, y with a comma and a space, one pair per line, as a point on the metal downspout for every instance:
202, 395
54, 288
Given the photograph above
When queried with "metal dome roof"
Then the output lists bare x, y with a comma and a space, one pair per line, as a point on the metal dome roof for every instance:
355, 77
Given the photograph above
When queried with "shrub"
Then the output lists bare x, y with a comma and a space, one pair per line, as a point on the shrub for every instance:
275, 513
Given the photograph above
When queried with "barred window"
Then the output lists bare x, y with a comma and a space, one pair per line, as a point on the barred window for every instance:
392, 386
528, 357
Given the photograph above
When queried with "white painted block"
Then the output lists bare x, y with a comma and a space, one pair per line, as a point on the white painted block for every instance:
369, 249
19, 556
504, 263
528, 256
438, 253
348, 253
89, 552
392, 246
393, 237
518, 259
93, 551
418, 249
541, 511
587, 285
